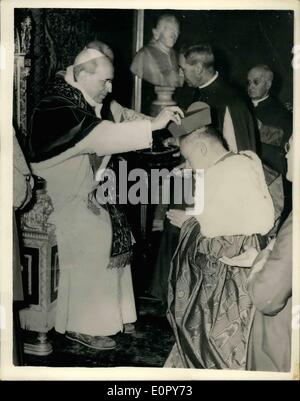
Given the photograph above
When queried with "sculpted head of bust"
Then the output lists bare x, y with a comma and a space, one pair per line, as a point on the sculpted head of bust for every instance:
157, 61
166, 31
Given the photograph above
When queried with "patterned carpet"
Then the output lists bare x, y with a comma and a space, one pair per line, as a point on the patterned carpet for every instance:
149, 346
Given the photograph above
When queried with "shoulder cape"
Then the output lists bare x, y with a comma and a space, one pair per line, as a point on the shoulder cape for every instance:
61, 119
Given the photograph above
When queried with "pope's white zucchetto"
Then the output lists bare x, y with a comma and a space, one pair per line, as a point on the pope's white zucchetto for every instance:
86, 55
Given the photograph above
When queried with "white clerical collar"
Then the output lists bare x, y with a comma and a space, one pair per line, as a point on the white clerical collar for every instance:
210, 81
69, 78
256, 102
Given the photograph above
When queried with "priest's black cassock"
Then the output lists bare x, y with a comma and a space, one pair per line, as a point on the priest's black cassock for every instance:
278, 121
219, 96
276, 127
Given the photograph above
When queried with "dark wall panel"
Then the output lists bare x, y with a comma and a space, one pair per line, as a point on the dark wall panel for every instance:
241, 39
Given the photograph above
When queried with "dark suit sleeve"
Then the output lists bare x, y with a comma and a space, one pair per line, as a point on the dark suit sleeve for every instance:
274, 157
271, 287
287, 126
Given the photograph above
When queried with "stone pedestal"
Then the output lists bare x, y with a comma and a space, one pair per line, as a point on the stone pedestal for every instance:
164, 99
160, 156
40, 272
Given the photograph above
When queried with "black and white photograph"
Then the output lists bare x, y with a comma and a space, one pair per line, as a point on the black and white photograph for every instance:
148, 166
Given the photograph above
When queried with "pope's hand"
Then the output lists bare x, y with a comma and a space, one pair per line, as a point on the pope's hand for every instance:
166, 115
171, 141
177, 217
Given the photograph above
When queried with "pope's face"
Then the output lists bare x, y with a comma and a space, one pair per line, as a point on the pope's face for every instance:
99, 83
258, 86
167, 33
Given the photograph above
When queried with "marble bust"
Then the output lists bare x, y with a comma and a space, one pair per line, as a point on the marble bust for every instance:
156, 62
